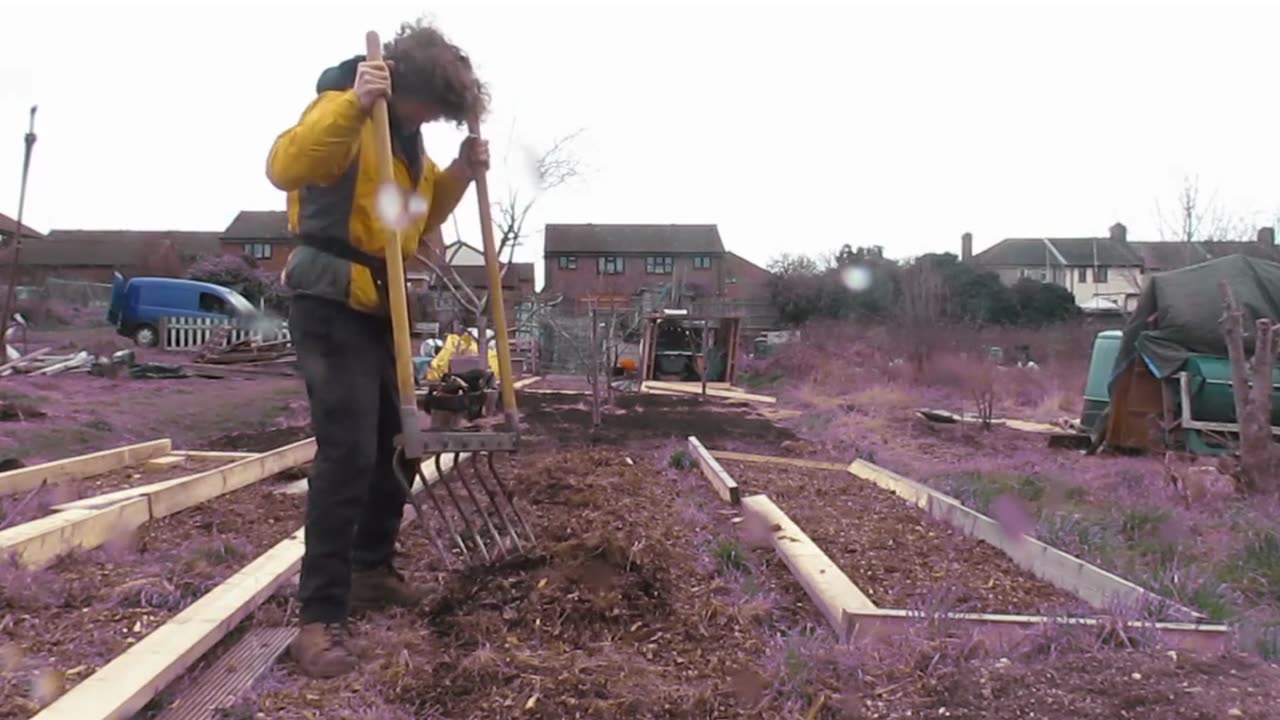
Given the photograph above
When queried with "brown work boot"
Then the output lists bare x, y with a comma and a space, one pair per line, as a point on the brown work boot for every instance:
381, 587
321, 651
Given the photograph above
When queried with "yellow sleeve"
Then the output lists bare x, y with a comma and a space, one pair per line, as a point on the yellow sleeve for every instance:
321, 146
447, 192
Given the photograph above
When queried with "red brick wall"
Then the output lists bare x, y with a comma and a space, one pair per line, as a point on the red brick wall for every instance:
585, 282
752, 281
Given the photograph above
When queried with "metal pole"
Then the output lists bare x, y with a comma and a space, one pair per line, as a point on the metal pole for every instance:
30, 141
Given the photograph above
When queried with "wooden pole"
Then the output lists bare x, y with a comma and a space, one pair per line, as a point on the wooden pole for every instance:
497, 307
411, 434
30, 141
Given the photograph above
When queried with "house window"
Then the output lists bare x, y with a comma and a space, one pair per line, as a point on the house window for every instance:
568, 262
1099, 275
658, 264
258, 251
701, 262
1034, 273
609, 265
1082, 275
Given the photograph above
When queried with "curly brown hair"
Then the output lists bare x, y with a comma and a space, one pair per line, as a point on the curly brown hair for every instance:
429, 67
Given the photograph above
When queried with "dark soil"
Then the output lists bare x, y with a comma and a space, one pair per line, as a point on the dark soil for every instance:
22, 507
261, 441
899, 556
650, 418
626, 612
59, 625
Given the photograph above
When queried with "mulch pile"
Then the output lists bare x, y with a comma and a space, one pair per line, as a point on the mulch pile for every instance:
625, 613
60, 624
898, 555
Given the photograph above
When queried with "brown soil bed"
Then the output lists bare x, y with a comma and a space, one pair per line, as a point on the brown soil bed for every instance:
262, 441
626, 612
566, 420
23, 507
58, 625
899, 556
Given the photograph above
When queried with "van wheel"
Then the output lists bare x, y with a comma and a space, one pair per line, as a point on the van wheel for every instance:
146, 336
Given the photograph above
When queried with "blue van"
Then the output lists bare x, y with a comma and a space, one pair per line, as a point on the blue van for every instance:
139, 304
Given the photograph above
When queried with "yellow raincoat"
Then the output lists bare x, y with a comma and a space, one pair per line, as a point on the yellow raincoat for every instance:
462, 344
327, 166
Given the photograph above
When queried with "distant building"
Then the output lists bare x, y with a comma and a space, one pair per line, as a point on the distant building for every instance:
9, 230
95, 255
613, 265
262, 235
1103, 271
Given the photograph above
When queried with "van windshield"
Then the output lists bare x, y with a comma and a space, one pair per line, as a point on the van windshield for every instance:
240, 305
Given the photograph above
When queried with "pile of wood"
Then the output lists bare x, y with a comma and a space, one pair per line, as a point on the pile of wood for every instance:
41, 362
247, 352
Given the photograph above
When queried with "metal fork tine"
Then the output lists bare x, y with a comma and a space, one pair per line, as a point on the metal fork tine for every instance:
466, 521
493, 500
502, 488
422, 520
398, 467
466, 555
466, 486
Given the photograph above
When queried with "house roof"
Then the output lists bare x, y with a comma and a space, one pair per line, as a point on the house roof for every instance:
475, 275
1078, 251
1160, 256
9, 226
626, 239
113, 248
259, 225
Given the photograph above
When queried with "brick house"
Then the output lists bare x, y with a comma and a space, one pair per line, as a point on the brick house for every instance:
612, 265
9, 230
95, 255
260, 234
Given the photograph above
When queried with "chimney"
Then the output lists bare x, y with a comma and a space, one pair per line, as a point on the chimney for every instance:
1119, 232
1267, 236
966, 247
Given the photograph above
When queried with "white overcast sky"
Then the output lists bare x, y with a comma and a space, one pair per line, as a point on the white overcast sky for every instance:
794, 127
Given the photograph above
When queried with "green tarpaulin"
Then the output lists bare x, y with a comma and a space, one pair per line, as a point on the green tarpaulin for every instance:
1179, 313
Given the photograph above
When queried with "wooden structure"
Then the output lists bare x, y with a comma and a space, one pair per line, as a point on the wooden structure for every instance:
715, 335
855, 618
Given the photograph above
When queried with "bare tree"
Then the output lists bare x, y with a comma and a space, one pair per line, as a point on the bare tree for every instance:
553, 168
1259, 456
1199, 219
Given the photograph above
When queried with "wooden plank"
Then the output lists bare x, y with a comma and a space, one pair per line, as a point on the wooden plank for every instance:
826, 584
221, 684
166, 461
37, 543
1092, 584
214, 454
696, 389
125, 685
768, 459
200, 487
29, 478
726, 487
6, 368
97, 502
883, 624
526, 382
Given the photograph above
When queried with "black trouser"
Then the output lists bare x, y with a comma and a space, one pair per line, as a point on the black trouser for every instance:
354, 502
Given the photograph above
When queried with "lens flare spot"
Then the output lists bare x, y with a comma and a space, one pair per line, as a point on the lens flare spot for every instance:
857, 278
391, 206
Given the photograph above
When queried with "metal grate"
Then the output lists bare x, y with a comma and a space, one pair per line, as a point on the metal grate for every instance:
223, 682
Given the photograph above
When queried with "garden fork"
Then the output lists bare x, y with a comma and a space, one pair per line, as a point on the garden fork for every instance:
459, 507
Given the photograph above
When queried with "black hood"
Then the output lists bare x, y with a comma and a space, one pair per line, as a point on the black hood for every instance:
406, 142
339, 77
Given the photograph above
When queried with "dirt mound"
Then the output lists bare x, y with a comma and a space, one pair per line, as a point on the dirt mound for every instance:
592, 585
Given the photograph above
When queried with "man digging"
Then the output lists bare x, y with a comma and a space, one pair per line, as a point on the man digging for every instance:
339, 321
